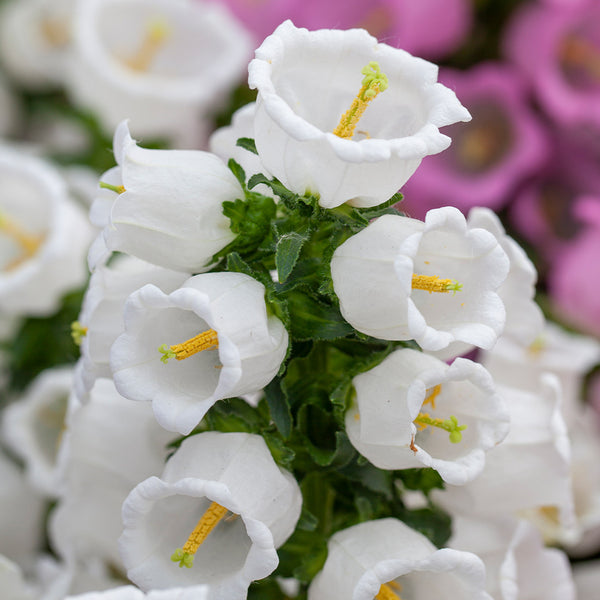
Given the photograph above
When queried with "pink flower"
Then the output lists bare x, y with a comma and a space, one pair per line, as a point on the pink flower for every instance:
503, 144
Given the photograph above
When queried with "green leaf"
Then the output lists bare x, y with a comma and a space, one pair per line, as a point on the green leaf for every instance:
424, 480
238, 172
287, 253
279, 407
311, 319
432, 522
282, 454
247, 144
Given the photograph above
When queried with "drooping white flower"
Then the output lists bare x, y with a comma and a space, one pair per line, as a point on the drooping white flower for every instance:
44, 236
414, 410
34, 41
530, 470
307, 80
517, 563
388, 560
211, 475
33, 426
163, 63
113, 443
218, 323
435, 282
567, 355
167, 205
101, 318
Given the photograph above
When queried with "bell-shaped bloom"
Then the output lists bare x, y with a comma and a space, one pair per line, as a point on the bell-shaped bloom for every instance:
164, 63
21, 515
413, 410
33, 426
35, 38
566, 355
517, 563
215, 517
524, 318
44, 236
212, 338
165, 206
386, 559
503, 144
101, 318
556, 47
113, 443
307, 113
435, 282
530, 470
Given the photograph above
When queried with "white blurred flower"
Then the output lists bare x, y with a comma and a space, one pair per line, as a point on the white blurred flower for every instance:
518, 566
218, 323
12, 583
33, 426
168, 205
587, 578
101, 318
306, 81
113, 443
435, 282
35, 38
163, 63
530, 470
44, 236
387, 560
568, 356
414, 410
210, 475
131, 593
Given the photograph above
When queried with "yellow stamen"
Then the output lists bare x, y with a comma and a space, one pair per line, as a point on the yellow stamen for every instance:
157, 32
55, 32
432, 283
208, 521
207, 340
373, 83
386, 591
78, 331
432, 394
28, 243
537, 346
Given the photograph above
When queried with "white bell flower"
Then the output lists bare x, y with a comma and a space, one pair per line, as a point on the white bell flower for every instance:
35, 38
21, 515
387, 560
517, 563
210, 339
567, 355
435, 282
167, 205
113, 443
413, 410
524, 318
44, 236
163, 63
306, 116
530, 470
215, 517
132, 593
12, 583
32, 427
101, 318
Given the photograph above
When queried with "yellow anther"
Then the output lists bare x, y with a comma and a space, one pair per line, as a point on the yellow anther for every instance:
537, 346
78, 331
207, 340
157, 32
432, 394
373, 83
27, 242
55, 32
208, 521
386, 591
432, 283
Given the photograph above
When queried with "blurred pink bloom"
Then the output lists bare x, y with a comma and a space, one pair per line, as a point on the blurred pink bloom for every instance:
503, 144
557, 46
575, 278
428, 28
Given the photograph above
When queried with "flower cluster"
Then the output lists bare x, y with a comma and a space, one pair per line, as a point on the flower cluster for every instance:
287, 387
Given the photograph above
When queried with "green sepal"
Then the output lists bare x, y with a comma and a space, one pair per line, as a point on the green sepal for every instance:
287, 253
247, 144
238, 172
385, 208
